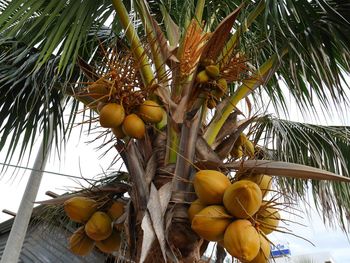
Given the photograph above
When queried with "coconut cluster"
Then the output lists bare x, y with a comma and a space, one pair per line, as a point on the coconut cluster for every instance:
242, 146
113, 115
97, 229
234, 214
209, 79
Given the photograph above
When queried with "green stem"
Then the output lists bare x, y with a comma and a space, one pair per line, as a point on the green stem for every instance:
174, 145
199, 10
136, 46
152, 36
261, 76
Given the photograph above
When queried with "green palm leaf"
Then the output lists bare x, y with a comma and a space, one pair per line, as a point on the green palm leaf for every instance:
316, 35
324, 147
29, 96
61, 27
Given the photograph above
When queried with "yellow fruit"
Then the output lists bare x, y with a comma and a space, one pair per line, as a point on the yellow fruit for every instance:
100, 91
134, 127
222, 84
242, 199
112, 115
210, 186
80, 209
116, 210
269, 218
195, 208
212, 71
111, 244
242, 240
237, 152
211, 222
150, 111
262, 180
249, 148
202, 77
118, 132
79, 243
241, 140
99, 226
220, 88
264, 252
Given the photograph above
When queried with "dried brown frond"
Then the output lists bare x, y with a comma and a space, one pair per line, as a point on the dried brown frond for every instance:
193, 45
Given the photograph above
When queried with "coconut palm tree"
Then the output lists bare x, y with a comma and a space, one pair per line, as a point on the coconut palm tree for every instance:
201, 61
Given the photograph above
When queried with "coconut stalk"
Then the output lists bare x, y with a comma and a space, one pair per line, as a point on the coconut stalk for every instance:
261, 76
135, 43
199, 10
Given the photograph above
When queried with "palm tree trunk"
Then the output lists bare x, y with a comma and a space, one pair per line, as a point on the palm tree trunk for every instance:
19, 228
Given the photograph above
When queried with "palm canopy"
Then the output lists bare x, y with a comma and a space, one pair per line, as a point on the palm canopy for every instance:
41, 41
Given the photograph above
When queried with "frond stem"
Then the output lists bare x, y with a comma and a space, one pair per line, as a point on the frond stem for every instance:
262, 75
136, 45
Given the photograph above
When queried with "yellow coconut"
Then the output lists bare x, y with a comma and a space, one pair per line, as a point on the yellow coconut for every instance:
264, 252
212, 71
242, 240
134, 127
237, 152
111, 244
116, 210
243, 198
111, 115
150, 111
268, 218
220, 88
100, 90
241, 140
202, 77
79, 243
195, 208
211, 222
222, 85
210, 186
262, 180
249, 148
80, 209
99, 226
118, 132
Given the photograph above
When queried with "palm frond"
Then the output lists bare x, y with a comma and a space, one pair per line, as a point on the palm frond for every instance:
54, 27
324, 147
29, 96
316, 35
